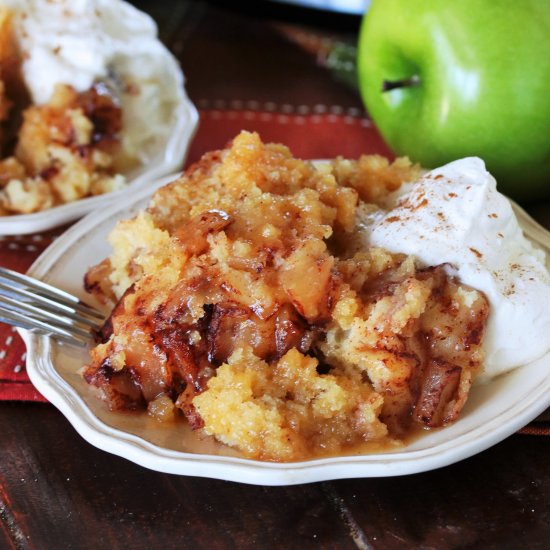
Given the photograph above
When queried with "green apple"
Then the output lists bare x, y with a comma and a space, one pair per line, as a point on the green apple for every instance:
444, 79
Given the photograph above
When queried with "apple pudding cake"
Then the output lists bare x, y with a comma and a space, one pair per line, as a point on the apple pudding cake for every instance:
247, 304
87, 100
62, 150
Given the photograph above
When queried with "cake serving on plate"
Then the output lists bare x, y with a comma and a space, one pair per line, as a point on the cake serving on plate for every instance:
275, 304
87, 99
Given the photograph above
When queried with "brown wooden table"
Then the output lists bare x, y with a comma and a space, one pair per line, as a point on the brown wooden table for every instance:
268, 72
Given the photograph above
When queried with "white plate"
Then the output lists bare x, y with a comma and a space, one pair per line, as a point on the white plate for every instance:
493, 411
170, 158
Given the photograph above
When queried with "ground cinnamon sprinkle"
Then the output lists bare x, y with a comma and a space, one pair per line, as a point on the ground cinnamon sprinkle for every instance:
476, 252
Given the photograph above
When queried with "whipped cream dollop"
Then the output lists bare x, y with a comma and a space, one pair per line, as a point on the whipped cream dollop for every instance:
78, 42
455, 215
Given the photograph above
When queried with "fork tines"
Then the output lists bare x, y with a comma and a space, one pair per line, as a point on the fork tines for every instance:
38, 307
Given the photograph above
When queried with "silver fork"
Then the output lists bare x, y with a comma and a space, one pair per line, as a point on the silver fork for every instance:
38, 307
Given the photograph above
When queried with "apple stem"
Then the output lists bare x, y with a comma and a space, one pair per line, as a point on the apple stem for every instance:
388, 85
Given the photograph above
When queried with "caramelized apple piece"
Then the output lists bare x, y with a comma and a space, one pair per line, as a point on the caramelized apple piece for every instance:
439, 391
193, 234
119, 389
308, 280
97, 283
